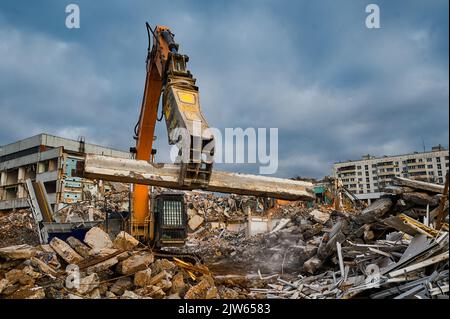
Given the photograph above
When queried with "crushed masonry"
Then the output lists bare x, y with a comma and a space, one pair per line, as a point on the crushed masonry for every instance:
394, 248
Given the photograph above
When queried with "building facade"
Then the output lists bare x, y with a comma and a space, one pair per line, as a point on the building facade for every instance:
366, 177
51, 160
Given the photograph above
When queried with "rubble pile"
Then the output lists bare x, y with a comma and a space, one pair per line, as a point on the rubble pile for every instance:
383, 251
208, 207
18, 227
110, 196
99, 268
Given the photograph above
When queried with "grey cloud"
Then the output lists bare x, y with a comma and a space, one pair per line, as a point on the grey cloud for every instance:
333, 88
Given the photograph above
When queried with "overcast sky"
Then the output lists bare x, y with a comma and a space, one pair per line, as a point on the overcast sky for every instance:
334, 89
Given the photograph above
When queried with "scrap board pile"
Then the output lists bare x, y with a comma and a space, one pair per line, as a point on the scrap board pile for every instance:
383, 251
100, 268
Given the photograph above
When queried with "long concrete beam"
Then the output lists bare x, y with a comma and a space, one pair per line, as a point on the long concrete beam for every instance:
166, 175
430, 187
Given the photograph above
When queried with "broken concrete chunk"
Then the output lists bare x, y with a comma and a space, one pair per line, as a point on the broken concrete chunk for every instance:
43, 267
28, 270
102, 266
319, 217
281, 224
164, 284
162, 264
88, 283
110, 295
130, 295
137, 262
125, 241
153, 292
227, 293
78, 246
157, 292
102, 252
195, 222
119, 287
94, 294
16, 275
18, 252
191, 212
375, 211
98, 239
46, 248
312, 265
162, 275
421, 199
65, 251
178, 284
3, 284
29, 293
205, 288
142, 278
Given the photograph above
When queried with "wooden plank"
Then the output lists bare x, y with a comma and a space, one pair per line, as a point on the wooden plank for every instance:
430, 187
166, 175
422, 264
410, 226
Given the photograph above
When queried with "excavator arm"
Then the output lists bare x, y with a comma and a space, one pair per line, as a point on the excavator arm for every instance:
167, 75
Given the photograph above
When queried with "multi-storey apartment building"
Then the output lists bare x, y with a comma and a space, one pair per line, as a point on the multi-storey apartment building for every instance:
49, 159
366, 177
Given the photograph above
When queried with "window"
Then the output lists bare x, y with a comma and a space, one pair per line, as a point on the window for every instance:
359, 173
440, 173
431, 173
420, 160
430, 166
368, 186
429, 159
358, 167
441, 180
360, 179
439, 166
438, 159
375, 178
397, 169
367, 179
366, 167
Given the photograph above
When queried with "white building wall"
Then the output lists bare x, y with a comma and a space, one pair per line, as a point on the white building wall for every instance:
368, 176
